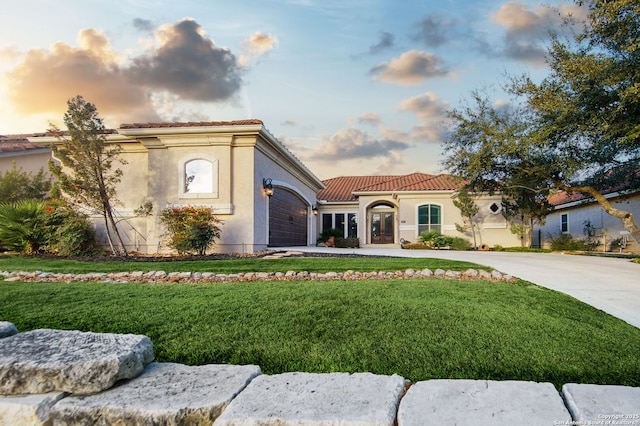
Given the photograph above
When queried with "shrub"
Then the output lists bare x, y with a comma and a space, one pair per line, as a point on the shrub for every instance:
351, 242
330, 232
69, 231
567, 242
22, 226
434, 239
190, 229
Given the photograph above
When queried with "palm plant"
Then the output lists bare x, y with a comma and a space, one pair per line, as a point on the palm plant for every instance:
22, 226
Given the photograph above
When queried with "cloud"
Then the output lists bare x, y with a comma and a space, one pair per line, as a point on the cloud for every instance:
432, 113
188, 64
182, 66
260, 43
410, 68
386, 41
143, 25
46, 79
289, 122
370, 118
434, 30
349, 144
528, 29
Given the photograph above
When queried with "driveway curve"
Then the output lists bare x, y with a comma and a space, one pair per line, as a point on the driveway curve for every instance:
609, 284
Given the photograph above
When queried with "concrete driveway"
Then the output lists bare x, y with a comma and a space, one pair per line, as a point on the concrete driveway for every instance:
612, 285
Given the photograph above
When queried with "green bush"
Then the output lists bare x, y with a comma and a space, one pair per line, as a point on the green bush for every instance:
330, 232
22, 226
69, 231
32, 226
351, 242
434, 239
190, 229
565, 242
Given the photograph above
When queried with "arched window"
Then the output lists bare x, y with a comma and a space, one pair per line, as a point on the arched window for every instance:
198, 177
429, 218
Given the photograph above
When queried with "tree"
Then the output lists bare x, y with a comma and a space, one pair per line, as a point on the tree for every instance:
468, 209
91, 180
576, 131
16, 185
523, 209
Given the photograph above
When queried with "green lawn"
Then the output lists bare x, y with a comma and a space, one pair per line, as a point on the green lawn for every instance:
230, 266
417, 328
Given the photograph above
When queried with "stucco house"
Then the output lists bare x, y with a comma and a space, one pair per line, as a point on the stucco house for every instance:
17, 149
267, 197
227, 166
572, 212
382, 210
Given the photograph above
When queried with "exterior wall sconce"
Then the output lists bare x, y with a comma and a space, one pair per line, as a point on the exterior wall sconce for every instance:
314, 209
267, 186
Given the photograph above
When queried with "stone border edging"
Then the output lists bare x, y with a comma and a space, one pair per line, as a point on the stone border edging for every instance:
204, 277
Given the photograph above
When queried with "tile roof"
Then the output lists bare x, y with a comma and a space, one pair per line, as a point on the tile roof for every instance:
18, 143
191, 124
341, 189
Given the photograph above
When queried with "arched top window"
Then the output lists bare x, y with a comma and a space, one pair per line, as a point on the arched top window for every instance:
429, 218
198, 177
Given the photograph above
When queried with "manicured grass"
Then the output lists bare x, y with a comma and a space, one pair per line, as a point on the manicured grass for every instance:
230, 266
417, 328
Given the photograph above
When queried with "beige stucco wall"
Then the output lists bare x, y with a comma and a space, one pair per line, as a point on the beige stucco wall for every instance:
268, 164
30, 161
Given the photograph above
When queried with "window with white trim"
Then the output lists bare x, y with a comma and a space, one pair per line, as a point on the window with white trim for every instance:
429, 218
564, 223
346, 222
198, 177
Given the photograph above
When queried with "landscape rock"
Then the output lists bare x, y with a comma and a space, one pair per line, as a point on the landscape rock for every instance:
7, 329
602, 403
43, 361
481, 402
32, 410
165, 394
316, 399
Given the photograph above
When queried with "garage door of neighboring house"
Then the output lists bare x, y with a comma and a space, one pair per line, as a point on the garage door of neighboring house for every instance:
287, 219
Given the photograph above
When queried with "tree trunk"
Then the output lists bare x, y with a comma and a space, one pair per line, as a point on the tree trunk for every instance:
108, 233
122, 251
626, 217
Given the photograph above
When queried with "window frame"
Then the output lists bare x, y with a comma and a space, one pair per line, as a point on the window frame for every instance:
564, 223
182, 173
430, 226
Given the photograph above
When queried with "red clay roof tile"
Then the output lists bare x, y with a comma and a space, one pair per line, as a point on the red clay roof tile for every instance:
191, 124
18, 143
341, 189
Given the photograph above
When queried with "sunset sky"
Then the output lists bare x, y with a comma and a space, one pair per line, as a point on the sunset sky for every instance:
349, 86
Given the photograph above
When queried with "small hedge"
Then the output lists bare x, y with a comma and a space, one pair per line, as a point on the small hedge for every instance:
351, 242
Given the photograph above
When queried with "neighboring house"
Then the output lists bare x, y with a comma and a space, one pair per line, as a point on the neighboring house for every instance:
572, 213
17, 149
222, 165
391, 209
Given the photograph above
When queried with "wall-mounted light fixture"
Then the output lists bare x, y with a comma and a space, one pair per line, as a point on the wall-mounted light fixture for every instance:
314, 209
267, 186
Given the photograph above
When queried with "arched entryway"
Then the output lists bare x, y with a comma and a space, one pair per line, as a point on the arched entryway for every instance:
288, 219
382, 224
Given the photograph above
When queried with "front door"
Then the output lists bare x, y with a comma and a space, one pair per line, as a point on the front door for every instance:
382, 225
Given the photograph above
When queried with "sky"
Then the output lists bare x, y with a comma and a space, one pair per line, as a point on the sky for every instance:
351, 87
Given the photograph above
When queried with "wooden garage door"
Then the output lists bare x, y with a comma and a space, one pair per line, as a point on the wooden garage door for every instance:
287, 219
